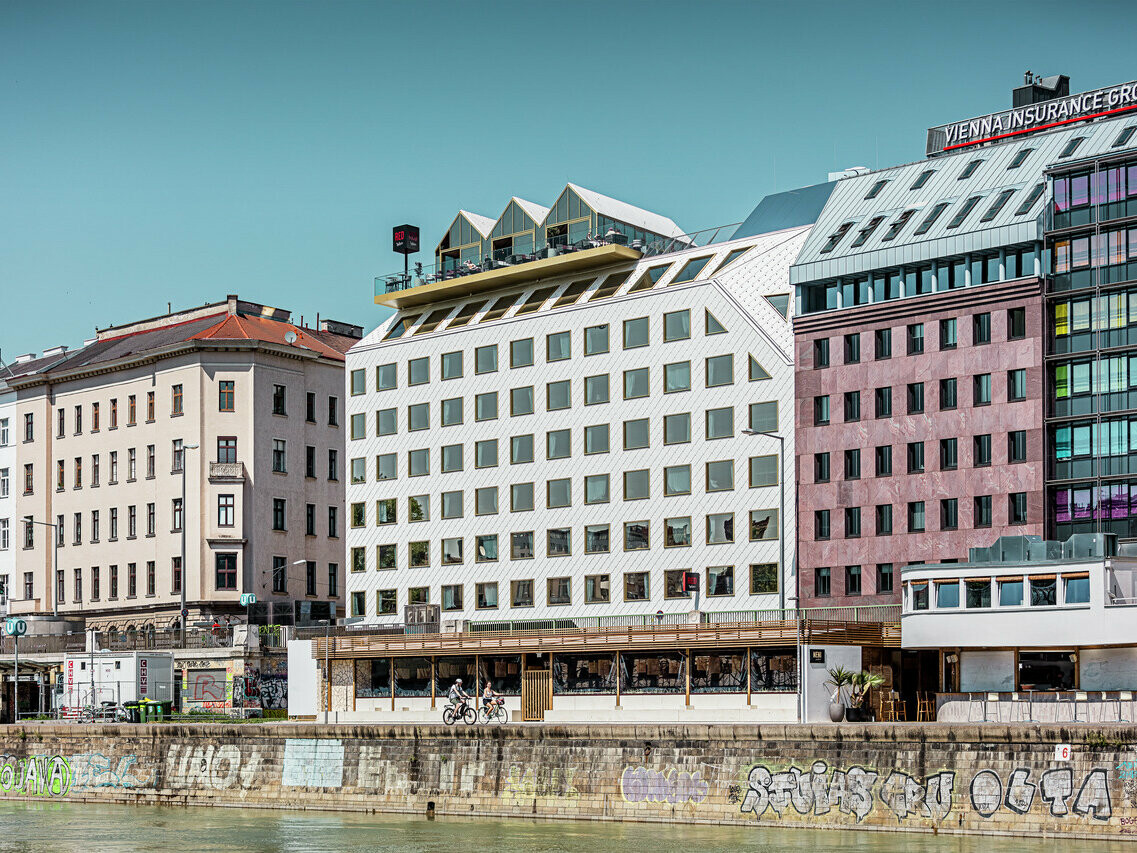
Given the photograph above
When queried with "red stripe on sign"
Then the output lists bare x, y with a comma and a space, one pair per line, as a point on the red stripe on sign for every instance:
1040, 127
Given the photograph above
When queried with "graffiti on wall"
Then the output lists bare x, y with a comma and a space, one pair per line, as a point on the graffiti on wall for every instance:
662, 787
95, 770
262, 688
547, 782
217, 767
206, 685
857, 791
35, 775
1055, 788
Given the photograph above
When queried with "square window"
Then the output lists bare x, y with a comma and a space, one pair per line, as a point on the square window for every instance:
763, 578
452, 505
558, 542
486, 596
385, 557
521, 401
452, 411
558, 493
764, 417
418, 371
419, 554
637, 484
418, 508
674, 583
521, 545
720, 528
520, 449
677, 480
418, 595
596, 589
636, 333
720, 581
596, 489
385, 466
596, 389
763, 471
486, 549
521, 497
521, 593
386, 421
485, 501
452, 458
677, 428
720, 476
596, 439
763, 524
596, 539
720, 423
636, 535
558, 591
451, 552
637, 434
358, 384
636, 586
558, 346
485, 359
452, 365
558, 444
485, 406
418, 417
521, 353
596, 340
385, 377
418, 463
558, 395
677, 326
676, 377
636, 383
358, 426
485, 453
452, 597
720, 370
677, 532
385, 511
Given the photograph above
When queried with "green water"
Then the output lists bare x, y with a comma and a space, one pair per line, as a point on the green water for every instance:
82, 827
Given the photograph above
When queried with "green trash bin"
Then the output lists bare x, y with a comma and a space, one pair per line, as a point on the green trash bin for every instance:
146, 710
132, 712
164, 709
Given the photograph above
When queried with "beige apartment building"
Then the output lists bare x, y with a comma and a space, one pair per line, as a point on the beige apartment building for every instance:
230, 402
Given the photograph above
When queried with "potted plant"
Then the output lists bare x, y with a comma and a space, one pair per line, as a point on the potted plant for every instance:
860, 684
839, 678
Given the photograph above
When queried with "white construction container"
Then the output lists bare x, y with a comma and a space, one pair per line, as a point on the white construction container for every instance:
117, 677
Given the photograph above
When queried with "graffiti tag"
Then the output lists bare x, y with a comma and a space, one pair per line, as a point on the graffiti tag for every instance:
35, 776
678, 787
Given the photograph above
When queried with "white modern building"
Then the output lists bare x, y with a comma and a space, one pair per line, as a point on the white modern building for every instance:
1029, 630
8, 467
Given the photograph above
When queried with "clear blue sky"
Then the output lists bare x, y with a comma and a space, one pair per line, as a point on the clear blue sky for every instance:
160, 151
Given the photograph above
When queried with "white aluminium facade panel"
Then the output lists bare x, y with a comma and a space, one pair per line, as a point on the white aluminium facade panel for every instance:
762, 335
9, 476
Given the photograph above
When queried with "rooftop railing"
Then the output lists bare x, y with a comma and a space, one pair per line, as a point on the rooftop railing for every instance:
451, 268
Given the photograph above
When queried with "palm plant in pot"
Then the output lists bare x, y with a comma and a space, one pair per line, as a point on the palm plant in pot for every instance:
839, 679
860, 683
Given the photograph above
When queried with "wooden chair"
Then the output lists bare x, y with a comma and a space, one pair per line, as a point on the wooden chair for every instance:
925, 707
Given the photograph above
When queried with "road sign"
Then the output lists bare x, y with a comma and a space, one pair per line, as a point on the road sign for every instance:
248, 598
15, 627
185, 613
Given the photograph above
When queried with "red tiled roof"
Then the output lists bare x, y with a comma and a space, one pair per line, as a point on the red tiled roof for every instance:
238, 327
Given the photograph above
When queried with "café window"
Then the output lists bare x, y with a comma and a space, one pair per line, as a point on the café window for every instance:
1043, 591
1046, 670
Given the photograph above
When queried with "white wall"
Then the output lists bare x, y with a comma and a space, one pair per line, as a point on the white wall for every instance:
1108, 669
302, 679
987, 671
816, 674
8, 514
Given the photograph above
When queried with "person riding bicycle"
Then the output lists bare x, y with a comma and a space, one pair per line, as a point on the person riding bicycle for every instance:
457, 695
490, 698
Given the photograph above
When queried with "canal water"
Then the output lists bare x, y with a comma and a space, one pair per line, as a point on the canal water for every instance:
80, 827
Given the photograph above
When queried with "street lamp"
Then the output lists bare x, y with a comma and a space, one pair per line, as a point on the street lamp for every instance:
185, 519
327, 623
54, 561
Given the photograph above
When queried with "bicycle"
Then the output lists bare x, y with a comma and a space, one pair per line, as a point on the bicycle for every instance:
107, 712
464, 712
495, 713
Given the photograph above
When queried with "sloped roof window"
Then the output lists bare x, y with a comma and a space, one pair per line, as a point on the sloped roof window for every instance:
649, 279
757, 371
690, 270
896, 227
572, 293
932, 216
1019, 158
1124, 136
611, 284
781, 303
1000, 202
1029, 201
400, 328
711, 324
969, 170
922, 179
432, 320
498, 309
835, 237
876, 188
733, 256
466, 314
961, 214
1071, 147
866, 232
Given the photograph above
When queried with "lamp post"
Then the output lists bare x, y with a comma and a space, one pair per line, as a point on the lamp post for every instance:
54, 561
327, 623
184, 612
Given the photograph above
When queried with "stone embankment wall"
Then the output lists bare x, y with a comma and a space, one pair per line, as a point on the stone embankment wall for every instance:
931, 778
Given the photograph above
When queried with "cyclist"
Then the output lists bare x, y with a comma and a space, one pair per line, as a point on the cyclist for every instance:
457, 695
490, 698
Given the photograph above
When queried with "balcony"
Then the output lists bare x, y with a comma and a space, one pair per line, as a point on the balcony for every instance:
226, 472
